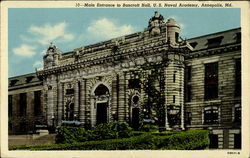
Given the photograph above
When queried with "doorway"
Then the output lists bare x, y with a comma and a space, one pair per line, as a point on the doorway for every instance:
101, 113
135, 118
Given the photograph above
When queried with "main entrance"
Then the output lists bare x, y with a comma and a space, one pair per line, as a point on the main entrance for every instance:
102, 104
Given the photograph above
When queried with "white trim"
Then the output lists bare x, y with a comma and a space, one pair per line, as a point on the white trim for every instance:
211, 61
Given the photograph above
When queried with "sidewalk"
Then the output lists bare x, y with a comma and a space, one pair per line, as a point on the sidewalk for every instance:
28, 140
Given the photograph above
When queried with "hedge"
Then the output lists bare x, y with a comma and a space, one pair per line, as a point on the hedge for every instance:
189, 140
111, 130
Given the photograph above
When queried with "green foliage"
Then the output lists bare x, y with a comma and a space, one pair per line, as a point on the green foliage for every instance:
66, 134
154, 88
150, 128
111, 130
189, 140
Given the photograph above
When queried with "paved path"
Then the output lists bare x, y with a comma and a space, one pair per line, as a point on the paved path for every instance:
28, 140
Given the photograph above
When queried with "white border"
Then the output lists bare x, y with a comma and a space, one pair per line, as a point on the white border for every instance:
244, 152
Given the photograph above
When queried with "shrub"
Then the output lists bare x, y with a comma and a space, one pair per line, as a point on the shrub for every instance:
150, 128
189, 140
111, 130
67, 134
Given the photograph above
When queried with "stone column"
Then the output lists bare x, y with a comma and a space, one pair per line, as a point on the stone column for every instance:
60, 103
115, 92
50, 106
82, 101
76, 102
182, 95
121, 108
166, 101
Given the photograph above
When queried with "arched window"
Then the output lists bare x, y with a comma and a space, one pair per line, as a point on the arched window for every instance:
101, 90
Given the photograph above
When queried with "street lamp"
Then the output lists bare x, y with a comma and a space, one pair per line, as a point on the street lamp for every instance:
53, 121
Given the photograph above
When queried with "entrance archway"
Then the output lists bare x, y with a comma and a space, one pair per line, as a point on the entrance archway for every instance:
101, 96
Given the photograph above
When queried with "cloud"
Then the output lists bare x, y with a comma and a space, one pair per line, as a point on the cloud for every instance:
43, 52
105, 29
48, 33
25, 50
177, 19
38, 63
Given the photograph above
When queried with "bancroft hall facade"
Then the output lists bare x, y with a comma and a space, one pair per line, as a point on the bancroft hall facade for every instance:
149, 75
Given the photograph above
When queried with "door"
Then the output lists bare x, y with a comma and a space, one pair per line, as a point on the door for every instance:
135, 118
101, 113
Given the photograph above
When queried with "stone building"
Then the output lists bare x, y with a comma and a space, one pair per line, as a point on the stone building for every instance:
153, 74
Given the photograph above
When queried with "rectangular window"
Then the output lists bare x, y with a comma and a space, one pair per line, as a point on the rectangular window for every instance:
213, 141
211, 81
10, 105
176, 37
134, 84
37, 103
237, 77
22, 104
69, 91
173, 98
188, 73
211, 116
238, 37
174, 76
237, 114
188, 92
237, 141
214, 42
188, 118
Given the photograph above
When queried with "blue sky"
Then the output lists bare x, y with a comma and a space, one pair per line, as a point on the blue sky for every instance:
31, 30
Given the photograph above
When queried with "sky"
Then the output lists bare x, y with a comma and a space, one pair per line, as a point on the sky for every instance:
30, 30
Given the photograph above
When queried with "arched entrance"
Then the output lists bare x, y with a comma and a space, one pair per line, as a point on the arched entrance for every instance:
101, 97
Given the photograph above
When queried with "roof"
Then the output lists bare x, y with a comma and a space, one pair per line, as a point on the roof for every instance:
24, 80
216, 39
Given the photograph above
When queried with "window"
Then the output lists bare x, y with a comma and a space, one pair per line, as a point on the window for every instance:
188, 118
211, 81
213, 141
134, 83
211, 116
188, 73
22, 104
29, 79
193, 44
10, 105
13, 82
188, 92
176, 37
238, 37
237, 114
69, 91
214, 42
37, 102
237, 77
237, 141
174, 76
173, 98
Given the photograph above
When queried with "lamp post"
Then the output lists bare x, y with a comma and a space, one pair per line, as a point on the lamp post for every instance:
53, 121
